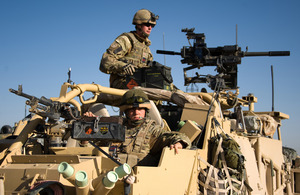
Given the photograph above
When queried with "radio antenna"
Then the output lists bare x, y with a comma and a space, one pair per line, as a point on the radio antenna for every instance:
164, 48
272, 87
236, 34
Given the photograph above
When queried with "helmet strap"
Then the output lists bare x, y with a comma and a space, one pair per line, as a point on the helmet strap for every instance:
141, 32
137, 122
145, 34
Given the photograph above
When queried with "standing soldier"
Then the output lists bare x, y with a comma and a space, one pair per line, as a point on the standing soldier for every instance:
130, 50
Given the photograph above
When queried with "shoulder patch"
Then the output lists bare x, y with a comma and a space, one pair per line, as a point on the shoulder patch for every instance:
117, 50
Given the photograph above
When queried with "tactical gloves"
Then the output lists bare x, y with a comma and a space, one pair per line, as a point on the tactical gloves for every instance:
128, 69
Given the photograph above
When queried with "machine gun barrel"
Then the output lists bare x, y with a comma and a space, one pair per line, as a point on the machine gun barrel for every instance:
167, 52
45, 107
42, 100
268, 53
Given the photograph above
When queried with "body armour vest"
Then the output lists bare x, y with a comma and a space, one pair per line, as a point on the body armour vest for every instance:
137, 145
140, 53
137, 139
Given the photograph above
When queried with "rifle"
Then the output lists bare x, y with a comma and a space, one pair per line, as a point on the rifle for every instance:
46, 107
225, 58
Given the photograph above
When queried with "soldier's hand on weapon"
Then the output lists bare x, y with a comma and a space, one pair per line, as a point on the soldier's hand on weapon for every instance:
176, 146
89, 114
129, 69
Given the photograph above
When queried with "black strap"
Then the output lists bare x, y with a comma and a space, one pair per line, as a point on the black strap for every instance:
111, 158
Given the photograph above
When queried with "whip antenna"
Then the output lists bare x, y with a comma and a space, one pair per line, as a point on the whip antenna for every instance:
164, 48
272, 87
236, 34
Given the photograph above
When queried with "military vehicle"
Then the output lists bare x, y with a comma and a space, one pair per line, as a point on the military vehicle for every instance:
234, 151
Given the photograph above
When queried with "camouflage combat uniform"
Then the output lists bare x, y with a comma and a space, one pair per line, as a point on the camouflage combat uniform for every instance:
144, 143
128, 48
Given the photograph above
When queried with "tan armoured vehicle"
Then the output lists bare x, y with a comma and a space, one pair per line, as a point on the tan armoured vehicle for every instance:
234, 151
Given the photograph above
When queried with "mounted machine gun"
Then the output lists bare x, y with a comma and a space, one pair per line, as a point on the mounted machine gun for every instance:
46, 107
225, 58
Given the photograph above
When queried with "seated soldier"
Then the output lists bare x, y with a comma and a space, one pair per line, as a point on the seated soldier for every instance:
144, 139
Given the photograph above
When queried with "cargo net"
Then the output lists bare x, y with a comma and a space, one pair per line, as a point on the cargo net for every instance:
213, 181
225, 174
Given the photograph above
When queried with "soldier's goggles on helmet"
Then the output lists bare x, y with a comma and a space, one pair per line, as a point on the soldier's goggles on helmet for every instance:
154, 17
136, 99
148, 24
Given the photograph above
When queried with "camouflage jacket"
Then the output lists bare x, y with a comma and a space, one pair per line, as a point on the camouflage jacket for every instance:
128, 48
144, 143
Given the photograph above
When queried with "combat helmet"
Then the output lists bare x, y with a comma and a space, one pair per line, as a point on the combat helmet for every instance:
144, 16
6, 129
134, 98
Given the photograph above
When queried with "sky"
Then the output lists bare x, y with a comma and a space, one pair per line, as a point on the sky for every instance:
41, 40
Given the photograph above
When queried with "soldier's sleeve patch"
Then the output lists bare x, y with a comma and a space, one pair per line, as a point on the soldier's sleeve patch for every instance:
118, 50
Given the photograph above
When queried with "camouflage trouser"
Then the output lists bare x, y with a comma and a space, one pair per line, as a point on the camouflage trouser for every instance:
117, 82
130, 159
139, 159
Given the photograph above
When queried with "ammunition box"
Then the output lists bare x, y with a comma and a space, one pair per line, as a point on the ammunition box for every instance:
107, 129
152, 77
